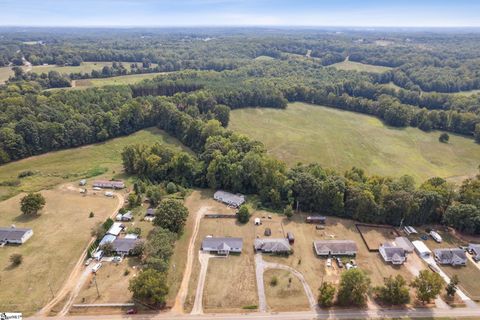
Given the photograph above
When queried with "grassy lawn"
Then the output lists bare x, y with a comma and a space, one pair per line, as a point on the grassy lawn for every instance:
120, 80
287, 294
376, 236
61, 233
84, 67
342, 139
72, 164
5, 73
360, 67
264, 58
461, 93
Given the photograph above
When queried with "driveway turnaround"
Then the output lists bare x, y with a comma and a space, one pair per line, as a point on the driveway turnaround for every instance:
261, 266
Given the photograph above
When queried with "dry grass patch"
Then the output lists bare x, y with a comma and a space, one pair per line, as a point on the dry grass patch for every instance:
375, 236
287, 295
60, 234
112, 281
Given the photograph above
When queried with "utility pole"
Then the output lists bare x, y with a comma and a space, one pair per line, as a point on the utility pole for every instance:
96, 285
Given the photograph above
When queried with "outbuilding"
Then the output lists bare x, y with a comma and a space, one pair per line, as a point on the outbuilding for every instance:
116, 228
316, 219
109, 184
234, 200
404, 243
257, 221
15, 235
474, 250
421, 249
290, 237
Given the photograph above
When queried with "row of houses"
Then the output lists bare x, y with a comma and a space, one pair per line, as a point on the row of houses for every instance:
13, 235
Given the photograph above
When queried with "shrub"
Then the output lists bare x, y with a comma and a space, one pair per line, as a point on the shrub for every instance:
171, 188
444, 137
25, 173
274, 282
16, 259
91, 215
243, 215
126, 272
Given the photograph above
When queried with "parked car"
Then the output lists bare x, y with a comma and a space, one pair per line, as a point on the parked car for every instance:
96, 267
329, 262
132, 311
97, 188
348, 266
339, 263
424, 237
89, 260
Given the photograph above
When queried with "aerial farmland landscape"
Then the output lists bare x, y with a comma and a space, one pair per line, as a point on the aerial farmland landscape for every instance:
237, 159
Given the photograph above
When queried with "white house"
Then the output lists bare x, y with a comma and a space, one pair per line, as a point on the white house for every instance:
421, 249
393, 254
234, 200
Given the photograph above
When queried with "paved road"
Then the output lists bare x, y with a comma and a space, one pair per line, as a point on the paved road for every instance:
183, 290
307, 315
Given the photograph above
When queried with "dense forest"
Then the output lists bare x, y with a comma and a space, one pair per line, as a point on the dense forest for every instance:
218, 70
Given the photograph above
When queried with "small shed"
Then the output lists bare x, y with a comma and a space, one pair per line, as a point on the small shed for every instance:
115, 229
82, 182
316, 219
268, 232
290, 237
257, 221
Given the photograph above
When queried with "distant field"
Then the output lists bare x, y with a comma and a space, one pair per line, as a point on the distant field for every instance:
360, 67
60, 166
461, 93
120, 80
85, 67
341, 139
264, 58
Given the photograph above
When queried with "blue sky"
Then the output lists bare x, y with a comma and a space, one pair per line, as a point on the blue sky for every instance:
419, 13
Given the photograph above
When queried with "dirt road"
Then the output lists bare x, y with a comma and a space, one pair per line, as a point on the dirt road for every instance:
183, 291
77, 277
198, 304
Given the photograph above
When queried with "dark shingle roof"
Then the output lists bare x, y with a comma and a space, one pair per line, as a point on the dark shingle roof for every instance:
272, 245
214, 244
335, 246
124, 245
12, 234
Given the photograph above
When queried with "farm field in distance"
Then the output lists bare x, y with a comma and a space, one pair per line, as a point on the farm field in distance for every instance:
60, 234
60, 166
120, 80
341, 139
360, 67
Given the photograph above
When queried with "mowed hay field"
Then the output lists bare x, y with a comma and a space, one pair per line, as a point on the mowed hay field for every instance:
342, 139
60, 234
71, 164
120, 80
360, 67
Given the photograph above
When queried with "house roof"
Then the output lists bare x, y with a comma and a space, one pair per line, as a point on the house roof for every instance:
115, 229
230, 198
335, 246
272, 245
316, 218
393, 253
12, 234
404, 243
215, 244
449, 254
124, 245
150, 212
107, 239
109, 183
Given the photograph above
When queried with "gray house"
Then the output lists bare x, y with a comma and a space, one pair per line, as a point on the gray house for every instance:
124, 246
234, 200
222, 246
109, 184
15, 235
273, 245
335, 247
451, 256
393, 254
474, 250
